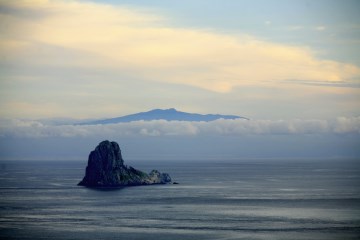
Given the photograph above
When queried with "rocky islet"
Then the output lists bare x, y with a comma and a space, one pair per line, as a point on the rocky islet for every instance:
106, 168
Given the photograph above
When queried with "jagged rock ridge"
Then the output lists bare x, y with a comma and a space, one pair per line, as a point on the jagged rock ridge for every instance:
106, 168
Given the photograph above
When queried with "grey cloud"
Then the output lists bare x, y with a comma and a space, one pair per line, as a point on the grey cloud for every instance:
37, 129
354, 83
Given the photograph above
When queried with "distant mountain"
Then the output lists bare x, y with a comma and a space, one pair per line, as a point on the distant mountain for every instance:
165, 114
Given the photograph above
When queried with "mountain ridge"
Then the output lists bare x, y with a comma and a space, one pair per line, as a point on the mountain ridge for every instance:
170, 114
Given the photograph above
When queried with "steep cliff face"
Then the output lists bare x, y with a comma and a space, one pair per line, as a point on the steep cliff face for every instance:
106, 169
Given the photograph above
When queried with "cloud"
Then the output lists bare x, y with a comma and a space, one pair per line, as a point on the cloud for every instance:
346, 125
138, 44
296, 28
159, 128
320, 28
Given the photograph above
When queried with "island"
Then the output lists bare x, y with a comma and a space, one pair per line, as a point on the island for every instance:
106, 168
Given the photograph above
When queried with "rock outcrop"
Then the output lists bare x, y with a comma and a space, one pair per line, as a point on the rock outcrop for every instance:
106, 168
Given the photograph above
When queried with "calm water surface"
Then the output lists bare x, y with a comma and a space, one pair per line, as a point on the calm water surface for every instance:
268, 199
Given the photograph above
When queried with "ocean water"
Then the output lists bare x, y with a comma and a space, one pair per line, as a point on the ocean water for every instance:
247, 199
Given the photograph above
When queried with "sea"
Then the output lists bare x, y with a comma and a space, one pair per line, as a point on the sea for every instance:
238, 199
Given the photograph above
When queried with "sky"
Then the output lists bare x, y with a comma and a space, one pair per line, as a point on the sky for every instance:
292, 67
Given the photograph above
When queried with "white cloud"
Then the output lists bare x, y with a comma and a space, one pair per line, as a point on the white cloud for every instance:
36, 129
320, 28
345, 125
142, 45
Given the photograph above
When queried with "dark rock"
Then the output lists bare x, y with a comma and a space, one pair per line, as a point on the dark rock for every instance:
106, 169
175, 183
156, 177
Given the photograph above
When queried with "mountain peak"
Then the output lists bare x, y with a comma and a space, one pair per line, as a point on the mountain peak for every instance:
170, 114
163, 110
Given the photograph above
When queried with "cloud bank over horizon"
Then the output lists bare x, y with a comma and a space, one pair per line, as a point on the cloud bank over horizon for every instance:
160, 128
179, 140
